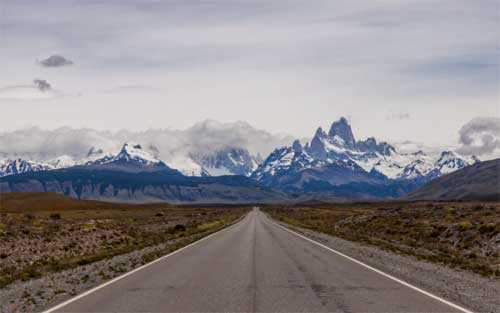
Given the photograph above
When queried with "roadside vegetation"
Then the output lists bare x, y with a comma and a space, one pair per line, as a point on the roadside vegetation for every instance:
459, 235
44, 233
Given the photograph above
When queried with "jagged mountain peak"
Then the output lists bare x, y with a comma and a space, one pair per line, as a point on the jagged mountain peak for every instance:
131, 157
450, 161
448, 154
297, 146
320, 133
332, 153
134, 151
19, 166
342, 129
340, 143
317, 146
371, 145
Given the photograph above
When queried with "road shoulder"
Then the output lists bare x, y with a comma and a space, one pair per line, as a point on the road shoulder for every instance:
468, 289
36, 295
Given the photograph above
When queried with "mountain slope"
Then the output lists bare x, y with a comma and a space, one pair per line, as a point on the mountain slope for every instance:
480, 181
118, 186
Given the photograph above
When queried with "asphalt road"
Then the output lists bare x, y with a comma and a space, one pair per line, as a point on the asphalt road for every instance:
256, 266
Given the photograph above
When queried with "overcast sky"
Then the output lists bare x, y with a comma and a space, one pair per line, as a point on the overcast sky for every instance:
399, 70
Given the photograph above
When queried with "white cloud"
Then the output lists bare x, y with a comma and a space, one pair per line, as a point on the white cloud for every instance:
168, 144
412, 146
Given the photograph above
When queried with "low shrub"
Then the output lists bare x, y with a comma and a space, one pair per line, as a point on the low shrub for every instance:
55, 216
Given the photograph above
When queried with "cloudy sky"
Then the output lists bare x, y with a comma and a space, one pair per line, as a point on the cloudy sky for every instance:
424, 71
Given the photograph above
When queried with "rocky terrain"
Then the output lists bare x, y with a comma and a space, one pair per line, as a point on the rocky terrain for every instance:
455, 234
52, 246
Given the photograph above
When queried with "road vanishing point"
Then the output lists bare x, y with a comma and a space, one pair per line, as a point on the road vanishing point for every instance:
256, 265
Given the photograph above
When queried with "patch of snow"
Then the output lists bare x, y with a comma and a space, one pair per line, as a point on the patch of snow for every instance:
62, 162
186, 166
135, 151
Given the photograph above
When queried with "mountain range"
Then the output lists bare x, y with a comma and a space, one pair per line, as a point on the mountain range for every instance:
225, 161
333, 164
337, 162
134, 175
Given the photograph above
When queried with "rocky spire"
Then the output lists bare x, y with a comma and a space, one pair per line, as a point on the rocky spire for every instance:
296, 146
342, 129
317, 147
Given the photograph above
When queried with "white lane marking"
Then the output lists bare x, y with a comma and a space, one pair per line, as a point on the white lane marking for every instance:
453, 305
134, 270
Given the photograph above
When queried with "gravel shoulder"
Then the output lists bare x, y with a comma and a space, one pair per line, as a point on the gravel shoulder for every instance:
36, 295
470, 290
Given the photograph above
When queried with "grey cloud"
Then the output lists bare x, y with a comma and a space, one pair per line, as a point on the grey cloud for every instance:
55, 61
480, 136
39, 89
42, 84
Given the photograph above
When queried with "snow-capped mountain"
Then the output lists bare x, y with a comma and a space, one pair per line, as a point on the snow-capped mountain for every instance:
227, 161
338, 153
172, 146
224, 161
419, 165
135, 175
450, 161
294, 168
19, 166
130, 158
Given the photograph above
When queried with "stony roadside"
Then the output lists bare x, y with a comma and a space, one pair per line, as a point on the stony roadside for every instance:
35, 295
470, 290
